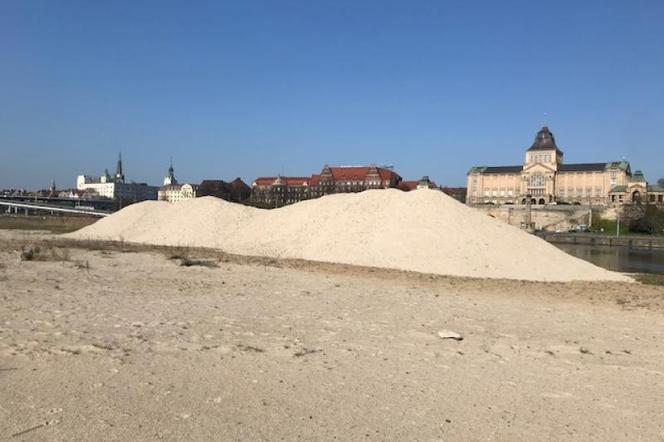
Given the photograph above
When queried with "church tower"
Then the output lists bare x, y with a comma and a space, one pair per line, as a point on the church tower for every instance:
170, 178
52, 190
544, 150
119, 176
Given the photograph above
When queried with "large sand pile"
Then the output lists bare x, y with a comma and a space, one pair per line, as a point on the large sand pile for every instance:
423, 231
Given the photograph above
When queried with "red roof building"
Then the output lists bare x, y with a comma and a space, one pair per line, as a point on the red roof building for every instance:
270, 192
422, 183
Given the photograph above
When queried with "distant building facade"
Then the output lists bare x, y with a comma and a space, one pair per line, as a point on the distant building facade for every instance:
422, 183
177, 192
271, 192
172, 191
637, 191
236, 191
544, 178
458, 193
115, 187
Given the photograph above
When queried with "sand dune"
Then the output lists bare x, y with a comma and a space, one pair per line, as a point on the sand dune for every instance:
424, 231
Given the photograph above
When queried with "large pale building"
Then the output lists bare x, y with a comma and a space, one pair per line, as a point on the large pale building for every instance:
173, 191
115, 187
177, 192
544, 178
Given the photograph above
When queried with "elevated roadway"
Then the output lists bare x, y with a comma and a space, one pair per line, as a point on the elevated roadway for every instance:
15, 206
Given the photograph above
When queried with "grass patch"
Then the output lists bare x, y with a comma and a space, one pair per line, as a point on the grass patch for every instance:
38, 253
184, 256
650, 279
50, 223
186, 262
47, 253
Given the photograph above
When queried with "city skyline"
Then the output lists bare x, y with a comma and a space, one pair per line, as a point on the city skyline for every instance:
232, 90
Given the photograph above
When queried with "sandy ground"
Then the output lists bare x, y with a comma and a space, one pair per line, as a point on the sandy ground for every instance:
113, 345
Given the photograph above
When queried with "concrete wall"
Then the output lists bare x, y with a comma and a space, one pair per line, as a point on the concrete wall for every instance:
548, 218
648, 242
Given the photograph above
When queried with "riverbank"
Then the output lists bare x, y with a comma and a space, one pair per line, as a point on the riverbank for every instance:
596, 239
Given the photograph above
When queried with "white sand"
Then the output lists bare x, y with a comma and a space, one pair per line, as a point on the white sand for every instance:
424, 231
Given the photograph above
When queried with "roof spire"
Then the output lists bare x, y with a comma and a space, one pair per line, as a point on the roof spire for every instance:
119, 176
170, 178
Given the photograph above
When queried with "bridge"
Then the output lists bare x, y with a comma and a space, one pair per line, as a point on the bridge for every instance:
103, 204
15, 206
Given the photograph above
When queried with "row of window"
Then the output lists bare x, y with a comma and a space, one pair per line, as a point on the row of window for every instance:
570, 191
579, 191
500, 192
540, 157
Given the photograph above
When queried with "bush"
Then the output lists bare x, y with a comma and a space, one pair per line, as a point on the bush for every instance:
650, 222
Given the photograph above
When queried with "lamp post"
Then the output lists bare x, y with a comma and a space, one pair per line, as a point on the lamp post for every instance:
528, 212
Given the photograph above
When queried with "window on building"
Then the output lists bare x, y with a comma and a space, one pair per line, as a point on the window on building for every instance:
536, 181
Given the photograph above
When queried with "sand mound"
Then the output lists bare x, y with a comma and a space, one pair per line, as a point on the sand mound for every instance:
423, 231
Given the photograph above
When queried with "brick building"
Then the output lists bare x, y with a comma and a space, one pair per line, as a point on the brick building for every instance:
271, 192
422, 183
236, 191
458, 193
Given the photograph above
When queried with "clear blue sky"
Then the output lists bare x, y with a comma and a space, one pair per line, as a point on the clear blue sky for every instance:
244, 88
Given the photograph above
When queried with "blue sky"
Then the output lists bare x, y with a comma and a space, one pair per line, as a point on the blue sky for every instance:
249, 88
